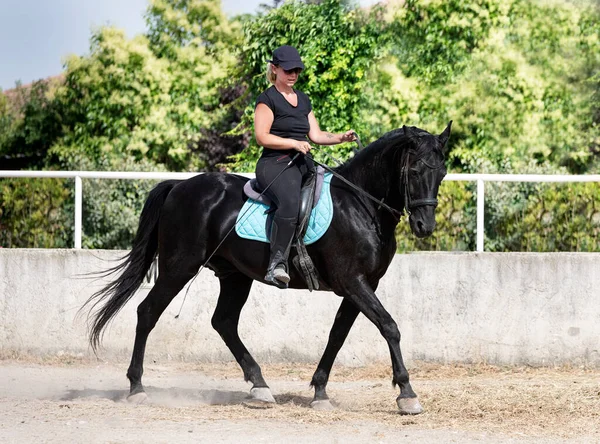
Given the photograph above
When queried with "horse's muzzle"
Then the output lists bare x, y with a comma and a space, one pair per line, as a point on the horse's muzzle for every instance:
422, 221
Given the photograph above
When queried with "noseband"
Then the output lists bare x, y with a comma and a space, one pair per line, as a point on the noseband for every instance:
409, 203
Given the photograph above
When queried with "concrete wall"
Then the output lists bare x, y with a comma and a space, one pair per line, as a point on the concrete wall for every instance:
513, 308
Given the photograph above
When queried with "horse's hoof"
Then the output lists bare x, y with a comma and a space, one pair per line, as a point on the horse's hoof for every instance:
409, 406
138, 398
260, 398
262, 394
322, 405
257, 404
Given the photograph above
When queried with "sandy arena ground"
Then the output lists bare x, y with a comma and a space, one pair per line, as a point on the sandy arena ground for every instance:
70, 400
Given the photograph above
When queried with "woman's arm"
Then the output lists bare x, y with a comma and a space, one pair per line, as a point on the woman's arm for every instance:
263, 119
323, 137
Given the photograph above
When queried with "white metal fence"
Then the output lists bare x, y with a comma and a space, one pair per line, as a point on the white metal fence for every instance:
479, 178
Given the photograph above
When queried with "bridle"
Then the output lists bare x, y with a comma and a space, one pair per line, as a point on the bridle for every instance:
409, 203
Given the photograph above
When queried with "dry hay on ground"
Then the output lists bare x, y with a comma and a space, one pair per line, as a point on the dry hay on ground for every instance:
562, 402
515, 400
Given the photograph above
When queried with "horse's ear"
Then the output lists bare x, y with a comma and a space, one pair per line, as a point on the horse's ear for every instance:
406, 130
443, 138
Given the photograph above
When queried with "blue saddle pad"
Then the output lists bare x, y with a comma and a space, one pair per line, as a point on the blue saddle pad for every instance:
252, 220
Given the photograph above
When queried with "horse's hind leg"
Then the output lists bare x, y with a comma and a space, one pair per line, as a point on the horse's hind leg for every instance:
235, 289
344, 319
166, 288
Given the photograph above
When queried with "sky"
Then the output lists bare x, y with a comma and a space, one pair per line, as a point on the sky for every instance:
36, 35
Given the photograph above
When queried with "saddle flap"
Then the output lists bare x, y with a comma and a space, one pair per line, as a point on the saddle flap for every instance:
307, 197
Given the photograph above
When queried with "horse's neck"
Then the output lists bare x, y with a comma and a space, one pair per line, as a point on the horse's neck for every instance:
378, 173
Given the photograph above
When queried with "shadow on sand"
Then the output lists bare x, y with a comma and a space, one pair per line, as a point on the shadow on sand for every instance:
173, 396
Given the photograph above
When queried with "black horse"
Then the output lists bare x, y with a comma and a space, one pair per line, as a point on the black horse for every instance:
184, 221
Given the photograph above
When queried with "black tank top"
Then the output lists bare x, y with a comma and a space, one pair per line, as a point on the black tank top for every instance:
290, 122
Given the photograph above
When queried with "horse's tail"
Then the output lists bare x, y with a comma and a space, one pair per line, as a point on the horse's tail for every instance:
134, 265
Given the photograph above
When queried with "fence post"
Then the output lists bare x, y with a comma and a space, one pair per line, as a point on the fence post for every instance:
78, 210
480, 214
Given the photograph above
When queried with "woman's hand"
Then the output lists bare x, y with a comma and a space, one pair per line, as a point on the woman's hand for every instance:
348, 136
302, 146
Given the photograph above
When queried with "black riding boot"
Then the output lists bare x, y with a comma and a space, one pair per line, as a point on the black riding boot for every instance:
282, 233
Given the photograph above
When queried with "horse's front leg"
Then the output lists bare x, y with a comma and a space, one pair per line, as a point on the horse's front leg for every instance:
344, 319
363, 297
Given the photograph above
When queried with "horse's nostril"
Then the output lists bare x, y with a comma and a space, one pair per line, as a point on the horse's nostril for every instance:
420, 225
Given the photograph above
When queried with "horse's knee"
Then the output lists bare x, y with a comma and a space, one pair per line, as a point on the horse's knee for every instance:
390, 331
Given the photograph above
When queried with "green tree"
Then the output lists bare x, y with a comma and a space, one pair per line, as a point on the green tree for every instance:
190, 33
111, 208
437, 37
141, 103
148, 97
29, 123
36, 213
514, 76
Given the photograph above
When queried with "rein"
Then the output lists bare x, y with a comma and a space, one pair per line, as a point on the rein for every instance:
409, 203
394, 212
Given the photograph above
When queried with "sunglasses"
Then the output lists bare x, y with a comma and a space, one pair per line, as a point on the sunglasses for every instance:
293, 71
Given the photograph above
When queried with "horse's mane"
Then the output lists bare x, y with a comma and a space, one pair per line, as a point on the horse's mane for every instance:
378, 156
384, 152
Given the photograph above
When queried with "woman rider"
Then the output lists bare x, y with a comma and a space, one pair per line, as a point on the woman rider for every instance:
283, 118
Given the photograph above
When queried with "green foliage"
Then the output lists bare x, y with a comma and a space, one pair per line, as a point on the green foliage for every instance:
111, 208
36, 213
516, 78
7, 123
456, 222
176, 24
337, 46
29, 123
131, 104
529, 216
149, 97
124, 101
543, 217
589, 44
563, 218
519, 216
437, 37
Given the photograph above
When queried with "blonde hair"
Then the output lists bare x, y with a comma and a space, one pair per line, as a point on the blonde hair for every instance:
271, 76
